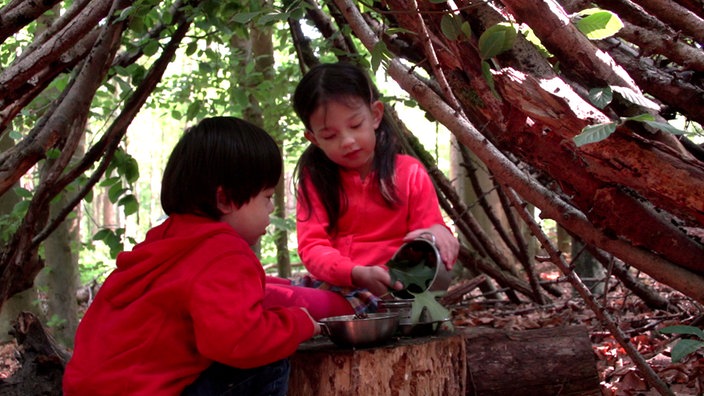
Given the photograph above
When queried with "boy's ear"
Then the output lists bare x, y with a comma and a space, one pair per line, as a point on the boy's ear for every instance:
310, 137
224, 205
377, 108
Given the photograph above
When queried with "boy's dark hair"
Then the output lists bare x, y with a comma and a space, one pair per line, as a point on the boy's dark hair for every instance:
339, 82
222, 152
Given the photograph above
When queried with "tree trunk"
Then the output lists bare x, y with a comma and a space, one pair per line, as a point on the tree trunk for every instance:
549, 361
474, 361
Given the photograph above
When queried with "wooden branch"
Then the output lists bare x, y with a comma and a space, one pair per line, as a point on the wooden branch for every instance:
105, 148
44, 77
551, 205
653, 173
681, 19
555, 30
651, 42
679, 89
19, 261
18, 73
18, 13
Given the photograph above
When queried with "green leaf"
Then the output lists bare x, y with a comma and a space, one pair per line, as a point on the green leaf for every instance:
665, 127
415, 278
244, 17
683, 329
466, 29
451, 26
102, 234
594, 133
129, 168
22, 192
599, 24
115, 192
601, 97
129, 202
380, 53
53, 153
435, 311
684, 348
151, 48
529, 34
641, 118
635, 97
489, 78
497, 39
109, 181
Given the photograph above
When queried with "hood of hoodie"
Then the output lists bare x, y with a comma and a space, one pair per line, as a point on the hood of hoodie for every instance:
160, 250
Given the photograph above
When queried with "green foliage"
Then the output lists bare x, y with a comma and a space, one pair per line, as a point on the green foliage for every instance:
415, 276
602, 97
112, 239
529, 34
598, 24
454, 27
594, 133
684, 347
497, 39
427, 300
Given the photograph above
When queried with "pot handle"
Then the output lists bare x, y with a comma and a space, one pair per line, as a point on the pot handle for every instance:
324, 329
430, 235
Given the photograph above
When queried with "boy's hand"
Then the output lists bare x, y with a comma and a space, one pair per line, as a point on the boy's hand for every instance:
373, 278
316, 325
447, 244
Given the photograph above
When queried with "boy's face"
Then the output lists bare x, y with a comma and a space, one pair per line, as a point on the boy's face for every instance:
346, 132
251, 219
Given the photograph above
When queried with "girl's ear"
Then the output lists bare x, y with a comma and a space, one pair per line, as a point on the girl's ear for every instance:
377, 109
224, 205
311, 138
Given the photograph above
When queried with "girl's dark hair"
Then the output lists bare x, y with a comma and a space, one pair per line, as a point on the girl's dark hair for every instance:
222, 152
340, 82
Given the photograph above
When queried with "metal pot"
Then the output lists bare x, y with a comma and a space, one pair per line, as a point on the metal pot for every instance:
414, 255
351, 331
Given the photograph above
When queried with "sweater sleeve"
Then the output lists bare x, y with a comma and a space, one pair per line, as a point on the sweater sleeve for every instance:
315, 246
230, 322
424, 208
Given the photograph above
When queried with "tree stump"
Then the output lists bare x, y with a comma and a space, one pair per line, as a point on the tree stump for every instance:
42, 362
468, 361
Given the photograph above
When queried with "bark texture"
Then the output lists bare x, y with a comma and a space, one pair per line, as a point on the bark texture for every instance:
472, 361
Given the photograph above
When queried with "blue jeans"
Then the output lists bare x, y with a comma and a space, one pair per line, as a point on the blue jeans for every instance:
222, 380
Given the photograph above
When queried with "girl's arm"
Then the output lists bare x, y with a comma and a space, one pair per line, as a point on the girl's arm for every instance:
315, 246
424, 211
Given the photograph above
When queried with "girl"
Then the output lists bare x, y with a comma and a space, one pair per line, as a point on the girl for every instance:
183, 312
359, 199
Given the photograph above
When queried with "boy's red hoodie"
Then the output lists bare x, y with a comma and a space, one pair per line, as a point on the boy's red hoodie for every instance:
187, 296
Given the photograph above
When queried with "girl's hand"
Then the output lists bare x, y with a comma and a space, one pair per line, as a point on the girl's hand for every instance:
373, 278
447, 244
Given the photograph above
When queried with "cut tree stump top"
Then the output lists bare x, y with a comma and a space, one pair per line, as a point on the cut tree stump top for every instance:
468, 361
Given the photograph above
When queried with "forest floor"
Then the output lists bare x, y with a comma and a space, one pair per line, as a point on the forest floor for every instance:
619, 376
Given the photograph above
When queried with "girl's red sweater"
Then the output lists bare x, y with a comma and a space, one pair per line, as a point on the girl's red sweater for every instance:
187, 296
370, 231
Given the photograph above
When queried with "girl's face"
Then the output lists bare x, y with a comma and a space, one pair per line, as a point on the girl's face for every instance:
251, 219
345, 131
